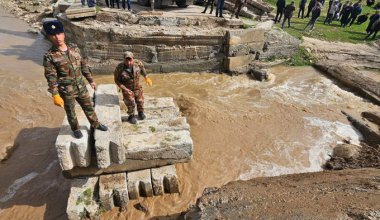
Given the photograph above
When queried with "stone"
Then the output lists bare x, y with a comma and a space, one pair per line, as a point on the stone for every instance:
175, 145
245, 36
113, 190
71, 151
372, 116
171, 112
346, 151
81, 201
165, 180
107, 143
260, 75
153, 102
156, 125
236, 63
81, 15
140, 184
278, 44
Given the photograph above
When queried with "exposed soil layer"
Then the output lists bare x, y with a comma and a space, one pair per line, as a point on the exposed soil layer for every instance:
347, 194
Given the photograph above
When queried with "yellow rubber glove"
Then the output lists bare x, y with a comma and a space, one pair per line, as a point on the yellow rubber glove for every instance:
58, 101
148, 81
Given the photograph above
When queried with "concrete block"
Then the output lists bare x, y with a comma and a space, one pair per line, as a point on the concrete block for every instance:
171, 112
107, 143
81, 199
113, 190
156, 125
245, 36
108, 146
175, 145
78, 10
81, 15
165, 180
71, 151
153, 102
237, 62
140, 184
107, 103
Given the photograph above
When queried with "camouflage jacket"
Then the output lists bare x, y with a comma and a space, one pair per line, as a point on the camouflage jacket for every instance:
64, 69
129, 79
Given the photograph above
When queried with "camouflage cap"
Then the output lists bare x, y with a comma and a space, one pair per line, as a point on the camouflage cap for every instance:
128, 54
53, 27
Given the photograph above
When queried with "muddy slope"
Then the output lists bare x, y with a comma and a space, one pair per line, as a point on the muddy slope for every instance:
347, 194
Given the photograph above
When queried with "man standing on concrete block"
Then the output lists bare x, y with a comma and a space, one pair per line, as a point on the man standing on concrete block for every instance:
64, 71
126, 76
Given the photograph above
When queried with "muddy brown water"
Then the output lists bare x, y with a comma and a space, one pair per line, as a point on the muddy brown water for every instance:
241, 129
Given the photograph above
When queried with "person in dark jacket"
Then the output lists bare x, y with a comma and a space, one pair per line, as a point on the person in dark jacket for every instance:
211, 3
372, 20
280, 10
362, 18
331, 12
302, 8
345, 15
314, 17
342, 9
356, 11
288, 13
374, 29
219, 8
370, 2
310, 7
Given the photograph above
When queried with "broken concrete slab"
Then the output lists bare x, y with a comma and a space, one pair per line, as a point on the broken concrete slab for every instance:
175, 145
153, 102
161, 139
140, 184
171, 112
165, 180
81, 202
71, 151
156, 125
113, 190
107, 143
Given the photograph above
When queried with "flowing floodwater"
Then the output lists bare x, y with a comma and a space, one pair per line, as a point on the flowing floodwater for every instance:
241, 129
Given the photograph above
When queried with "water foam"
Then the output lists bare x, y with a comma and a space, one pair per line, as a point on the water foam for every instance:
316, 153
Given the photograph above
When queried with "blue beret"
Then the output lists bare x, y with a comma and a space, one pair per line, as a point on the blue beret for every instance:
53, 27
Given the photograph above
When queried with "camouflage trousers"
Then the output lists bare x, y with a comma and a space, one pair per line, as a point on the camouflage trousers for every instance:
134, 96
82, 96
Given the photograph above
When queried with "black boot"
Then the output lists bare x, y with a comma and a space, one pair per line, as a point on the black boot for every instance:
142, 115
132, 119
78, 134
102, 127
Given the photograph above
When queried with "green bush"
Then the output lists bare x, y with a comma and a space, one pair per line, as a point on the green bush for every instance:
301, 58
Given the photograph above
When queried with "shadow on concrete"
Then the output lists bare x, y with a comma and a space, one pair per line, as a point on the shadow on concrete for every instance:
32, 177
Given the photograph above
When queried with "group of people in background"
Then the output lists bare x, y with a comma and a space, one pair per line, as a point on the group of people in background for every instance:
346, 13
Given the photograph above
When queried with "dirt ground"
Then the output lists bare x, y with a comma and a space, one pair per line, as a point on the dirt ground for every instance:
347, 194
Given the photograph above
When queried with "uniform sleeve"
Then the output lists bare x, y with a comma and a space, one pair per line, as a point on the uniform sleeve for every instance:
86, 71
116, 75
50, 75
142, 68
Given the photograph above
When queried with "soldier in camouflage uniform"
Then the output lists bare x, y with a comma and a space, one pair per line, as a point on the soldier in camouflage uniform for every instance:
64, 71
126, 76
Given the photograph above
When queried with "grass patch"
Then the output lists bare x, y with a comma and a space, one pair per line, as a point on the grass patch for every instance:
333, 32
85, 197
301, 58
152, 129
